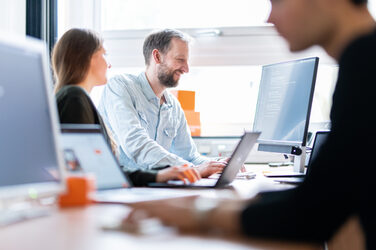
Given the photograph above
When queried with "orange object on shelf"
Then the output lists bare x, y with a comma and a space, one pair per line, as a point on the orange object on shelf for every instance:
187, 102
193, 119
186, 98
78, 191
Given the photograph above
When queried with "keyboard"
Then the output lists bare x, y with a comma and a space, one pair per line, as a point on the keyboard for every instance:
134, 195
199, 183
246, 175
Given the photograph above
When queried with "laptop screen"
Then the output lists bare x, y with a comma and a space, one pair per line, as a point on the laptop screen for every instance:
85, 150
320, 138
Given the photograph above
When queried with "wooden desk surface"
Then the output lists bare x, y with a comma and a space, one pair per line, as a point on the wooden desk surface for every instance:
82, 228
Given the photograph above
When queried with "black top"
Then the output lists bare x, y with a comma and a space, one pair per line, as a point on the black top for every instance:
341, 178
75, 107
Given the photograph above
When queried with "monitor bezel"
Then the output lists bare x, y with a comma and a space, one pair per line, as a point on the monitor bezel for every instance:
312, 90
38, 190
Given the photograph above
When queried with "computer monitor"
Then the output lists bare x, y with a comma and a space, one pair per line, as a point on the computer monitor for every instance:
31, 163
284, 106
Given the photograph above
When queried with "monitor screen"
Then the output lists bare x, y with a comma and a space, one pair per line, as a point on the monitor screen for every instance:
29, 157
284, 102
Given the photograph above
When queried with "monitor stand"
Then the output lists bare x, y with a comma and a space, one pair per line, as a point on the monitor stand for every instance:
299, 153
299, 161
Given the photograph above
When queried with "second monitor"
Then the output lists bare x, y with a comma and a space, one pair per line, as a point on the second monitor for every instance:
284, 107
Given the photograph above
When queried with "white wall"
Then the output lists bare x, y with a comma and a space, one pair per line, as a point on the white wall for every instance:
235, 46
78, 14
13, 16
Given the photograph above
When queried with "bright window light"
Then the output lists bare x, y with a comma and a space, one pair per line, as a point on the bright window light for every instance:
226, 96
372, 7
151, 14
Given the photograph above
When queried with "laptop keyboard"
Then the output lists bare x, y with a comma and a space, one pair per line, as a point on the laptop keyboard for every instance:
202, 182
135, 195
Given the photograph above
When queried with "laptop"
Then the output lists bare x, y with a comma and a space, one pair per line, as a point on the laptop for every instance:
228, 174
320, 139
86, 151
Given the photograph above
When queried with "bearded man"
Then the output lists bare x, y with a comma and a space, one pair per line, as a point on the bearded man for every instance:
147, 122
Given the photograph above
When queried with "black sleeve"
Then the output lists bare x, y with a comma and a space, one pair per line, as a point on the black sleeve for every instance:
141, 178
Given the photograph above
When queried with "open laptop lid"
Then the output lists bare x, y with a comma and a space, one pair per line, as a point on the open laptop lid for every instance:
320, 139
238, 158
229, 173
86, 150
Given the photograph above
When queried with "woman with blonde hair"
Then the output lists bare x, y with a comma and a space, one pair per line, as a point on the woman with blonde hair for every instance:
79, 64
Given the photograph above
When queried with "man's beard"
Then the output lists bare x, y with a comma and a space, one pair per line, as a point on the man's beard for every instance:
166, 76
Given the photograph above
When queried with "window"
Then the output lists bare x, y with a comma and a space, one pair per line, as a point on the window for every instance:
151, 14
372, 7
226, 96
232, 41
13, 16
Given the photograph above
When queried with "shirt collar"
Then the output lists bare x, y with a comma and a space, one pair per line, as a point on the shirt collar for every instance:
146, 88
167, 98
148, 91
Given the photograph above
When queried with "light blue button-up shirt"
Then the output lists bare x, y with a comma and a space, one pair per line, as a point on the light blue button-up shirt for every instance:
148, 134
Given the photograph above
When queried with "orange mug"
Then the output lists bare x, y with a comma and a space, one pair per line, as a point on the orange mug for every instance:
78, 190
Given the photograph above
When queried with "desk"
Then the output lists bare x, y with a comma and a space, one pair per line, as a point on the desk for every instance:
81, 228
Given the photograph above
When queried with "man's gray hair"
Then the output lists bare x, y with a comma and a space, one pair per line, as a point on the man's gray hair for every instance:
161, 41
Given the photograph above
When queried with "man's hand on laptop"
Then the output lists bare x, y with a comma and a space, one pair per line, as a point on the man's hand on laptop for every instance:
184, 173
209, 168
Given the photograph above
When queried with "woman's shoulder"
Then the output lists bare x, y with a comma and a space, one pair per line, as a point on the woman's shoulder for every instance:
71, 91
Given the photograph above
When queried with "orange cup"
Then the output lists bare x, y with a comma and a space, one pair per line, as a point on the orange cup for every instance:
78, 190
